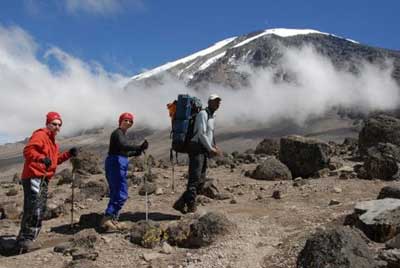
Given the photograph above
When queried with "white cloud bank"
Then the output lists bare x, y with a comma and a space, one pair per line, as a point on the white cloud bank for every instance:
102, 7
87, 96
318, 88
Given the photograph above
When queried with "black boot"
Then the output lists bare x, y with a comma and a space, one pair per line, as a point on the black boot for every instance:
25, 246
180, 205
191, 207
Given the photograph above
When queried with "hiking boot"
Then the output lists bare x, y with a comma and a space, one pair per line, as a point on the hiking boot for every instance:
180, 205
25, 246
121, 226
191, 207
108, 225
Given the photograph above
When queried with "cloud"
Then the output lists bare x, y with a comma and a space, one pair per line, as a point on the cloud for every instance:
318, 87
101, 7
83, 93
87, 96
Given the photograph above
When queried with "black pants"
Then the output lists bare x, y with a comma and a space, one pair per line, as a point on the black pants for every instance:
197, 172
35, 203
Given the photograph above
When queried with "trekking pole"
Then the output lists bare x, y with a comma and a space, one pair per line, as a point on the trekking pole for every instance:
74, 167
171, 158
72, 197
146, 165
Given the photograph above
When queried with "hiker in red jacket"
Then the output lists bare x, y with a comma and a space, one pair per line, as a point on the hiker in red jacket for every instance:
42, 156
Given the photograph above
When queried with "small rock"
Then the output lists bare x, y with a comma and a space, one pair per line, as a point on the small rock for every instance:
334, 173
344, 176
106, 239
166, 248
159, 191
334, 202
12, 192
276, 194
151, 256
81, 253
299, 181
16, 178
337, 190
202, 200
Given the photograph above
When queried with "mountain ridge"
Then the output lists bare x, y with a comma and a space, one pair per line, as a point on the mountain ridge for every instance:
218, 63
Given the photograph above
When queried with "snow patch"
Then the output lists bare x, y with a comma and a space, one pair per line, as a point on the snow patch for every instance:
169, 65
211, 61
286, 33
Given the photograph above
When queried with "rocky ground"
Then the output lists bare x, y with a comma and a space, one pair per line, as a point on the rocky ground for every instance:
264, 203
270, 232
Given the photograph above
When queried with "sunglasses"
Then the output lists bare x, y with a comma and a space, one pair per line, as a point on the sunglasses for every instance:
56, 124
128, 120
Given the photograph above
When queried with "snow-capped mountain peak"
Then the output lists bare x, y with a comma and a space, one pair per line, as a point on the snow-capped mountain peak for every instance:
169, 65
219, 63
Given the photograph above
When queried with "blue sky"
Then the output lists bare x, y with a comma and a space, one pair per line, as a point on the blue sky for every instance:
127, 36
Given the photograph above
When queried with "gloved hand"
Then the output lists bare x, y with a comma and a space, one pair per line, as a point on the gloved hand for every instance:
46, 161
144, 146
73, 151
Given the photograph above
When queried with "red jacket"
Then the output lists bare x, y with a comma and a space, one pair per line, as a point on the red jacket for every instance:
42, 144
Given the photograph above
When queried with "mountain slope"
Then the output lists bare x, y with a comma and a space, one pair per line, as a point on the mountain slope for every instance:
219, 64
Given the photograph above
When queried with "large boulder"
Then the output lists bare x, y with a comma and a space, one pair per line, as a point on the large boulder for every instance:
63, 177
178, 232
139, 163
209, 189
268, 147
382, 161
201, 232
271, 169
54, 211
389, 192
379, 128
81, 247
378, 219
95, 190
10, 210
336, 248
304, 156
149, 187
224, 160
207, 229
391, 258
87, 162
147, 234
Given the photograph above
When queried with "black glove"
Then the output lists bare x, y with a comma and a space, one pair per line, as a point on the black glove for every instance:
46, 161
73, 152
134, 153
144, 146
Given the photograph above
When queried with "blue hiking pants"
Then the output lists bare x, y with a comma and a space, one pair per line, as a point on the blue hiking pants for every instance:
116, 173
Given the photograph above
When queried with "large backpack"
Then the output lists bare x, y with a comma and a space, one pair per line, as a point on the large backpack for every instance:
183, 113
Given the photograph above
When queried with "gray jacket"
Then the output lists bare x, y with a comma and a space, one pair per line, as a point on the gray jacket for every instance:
204, 129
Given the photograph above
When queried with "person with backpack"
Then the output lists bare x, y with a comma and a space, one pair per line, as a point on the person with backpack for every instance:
201, 146
42, 156
116, 166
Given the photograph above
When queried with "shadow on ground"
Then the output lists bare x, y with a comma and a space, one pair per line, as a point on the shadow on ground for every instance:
92, 220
